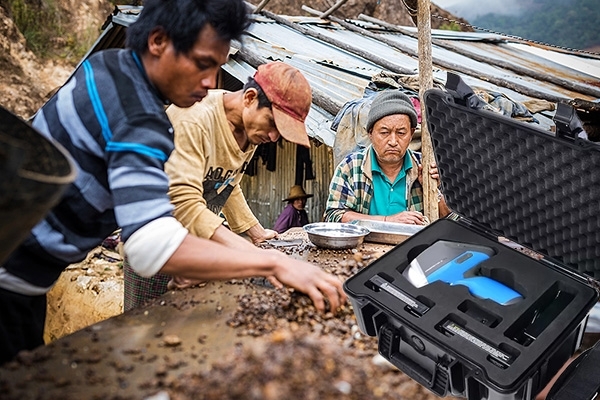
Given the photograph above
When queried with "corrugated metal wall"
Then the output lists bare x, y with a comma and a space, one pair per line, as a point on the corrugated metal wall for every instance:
266, 190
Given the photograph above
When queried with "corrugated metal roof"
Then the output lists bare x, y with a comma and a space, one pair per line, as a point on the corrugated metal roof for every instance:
573, 69
486, 69
528, 55
440, 54
339, 62
586, 65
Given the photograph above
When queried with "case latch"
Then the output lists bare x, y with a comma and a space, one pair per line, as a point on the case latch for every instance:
568, 124
433, 374
462, 93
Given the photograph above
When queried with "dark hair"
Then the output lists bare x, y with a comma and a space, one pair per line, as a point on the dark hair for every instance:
263, 101
182, 20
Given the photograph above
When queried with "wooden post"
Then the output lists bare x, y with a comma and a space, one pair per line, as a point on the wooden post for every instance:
260, 6
430, 197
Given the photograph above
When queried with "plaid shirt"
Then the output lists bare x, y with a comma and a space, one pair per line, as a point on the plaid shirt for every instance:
351, 187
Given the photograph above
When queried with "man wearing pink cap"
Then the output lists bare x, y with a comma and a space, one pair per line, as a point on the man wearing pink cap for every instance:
214, 141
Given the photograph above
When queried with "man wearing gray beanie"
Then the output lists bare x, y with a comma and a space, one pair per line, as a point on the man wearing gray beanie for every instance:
391, 102
383, 182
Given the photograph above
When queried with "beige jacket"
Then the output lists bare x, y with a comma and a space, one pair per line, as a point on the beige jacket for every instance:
206, 167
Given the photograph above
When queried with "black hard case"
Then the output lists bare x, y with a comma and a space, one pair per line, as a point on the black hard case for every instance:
580, 380
500, 177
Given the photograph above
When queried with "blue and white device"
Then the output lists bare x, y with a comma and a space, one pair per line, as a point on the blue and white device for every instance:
459, 270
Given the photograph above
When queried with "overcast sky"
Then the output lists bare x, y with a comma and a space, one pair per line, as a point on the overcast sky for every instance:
470, 9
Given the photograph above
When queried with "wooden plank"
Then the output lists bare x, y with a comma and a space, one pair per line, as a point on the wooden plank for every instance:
430, 197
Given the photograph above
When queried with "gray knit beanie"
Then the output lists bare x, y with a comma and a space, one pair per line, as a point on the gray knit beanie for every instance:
390, 102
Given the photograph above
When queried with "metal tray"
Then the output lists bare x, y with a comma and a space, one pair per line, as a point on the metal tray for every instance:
335, 235
387, 232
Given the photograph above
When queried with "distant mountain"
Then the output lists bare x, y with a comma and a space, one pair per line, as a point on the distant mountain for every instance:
567, 23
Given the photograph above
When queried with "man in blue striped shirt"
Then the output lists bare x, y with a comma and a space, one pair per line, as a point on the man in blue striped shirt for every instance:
110, 116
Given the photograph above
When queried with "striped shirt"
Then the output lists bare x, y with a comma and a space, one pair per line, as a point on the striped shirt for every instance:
112, 121
351, 188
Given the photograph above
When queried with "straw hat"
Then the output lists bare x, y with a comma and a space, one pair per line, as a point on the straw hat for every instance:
296, 192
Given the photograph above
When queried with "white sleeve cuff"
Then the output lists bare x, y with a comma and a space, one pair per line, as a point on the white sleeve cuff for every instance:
151, 246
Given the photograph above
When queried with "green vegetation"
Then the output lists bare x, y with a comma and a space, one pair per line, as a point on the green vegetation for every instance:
451, 26
39, 22
46, 28
567, 23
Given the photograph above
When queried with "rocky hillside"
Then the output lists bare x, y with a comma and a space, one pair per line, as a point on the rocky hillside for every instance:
27, 80
391, 11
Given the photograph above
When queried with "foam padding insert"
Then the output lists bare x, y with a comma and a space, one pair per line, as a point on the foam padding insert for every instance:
537, 189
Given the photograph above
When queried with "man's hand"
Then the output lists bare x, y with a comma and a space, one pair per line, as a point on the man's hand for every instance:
178, 283
408, 217
300, 275
311, 280
433, 172
266, 235
274, 282
258, 234
202, 259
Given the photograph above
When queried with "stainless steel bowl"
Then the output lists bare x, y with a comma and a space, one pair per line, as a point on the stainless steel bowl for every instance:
336, 235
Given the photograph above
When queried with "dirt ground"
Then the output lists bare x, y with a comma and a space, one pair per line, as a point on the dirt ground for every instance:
280, 346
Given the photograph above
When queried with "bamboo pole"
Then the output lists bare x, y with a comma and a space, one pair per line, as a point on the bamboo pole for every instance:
331, 10
430, 197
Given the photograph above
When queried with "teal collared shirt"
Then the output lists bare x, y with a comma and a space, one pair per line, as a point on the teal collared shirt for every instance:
388, 197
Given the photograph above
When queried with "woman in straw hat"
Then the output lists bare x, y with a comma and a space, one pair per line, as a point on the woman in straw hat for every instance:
294, 214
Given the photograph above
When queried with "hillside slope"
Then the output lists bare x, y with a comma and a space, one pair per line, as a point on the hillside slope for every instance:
572, 24
27, 81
